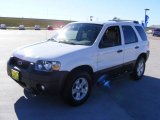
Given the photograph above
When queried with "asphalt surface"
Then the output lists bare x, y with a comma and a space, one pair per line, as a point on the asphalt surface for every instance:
125, 100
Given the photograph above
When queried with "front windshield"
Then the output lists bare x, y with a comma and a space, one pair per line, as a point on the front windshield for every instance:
78, 34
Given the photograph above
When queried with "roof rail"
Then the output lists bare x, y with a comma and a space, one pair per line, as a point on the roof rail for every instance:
134, 21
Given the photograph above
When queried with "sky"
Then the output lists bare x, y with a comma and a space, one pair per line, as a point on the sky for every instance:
81, 10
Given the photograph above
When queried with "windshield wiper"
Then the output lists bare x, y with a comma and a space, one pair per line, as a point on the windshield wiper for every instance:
52, 39
72, 43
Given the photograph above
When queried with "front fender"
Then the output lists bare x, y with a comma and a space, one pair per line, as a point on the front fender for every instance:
76, 62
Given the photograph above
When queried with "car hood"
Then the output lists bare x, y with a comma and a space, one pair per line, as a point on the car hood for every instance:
47, 50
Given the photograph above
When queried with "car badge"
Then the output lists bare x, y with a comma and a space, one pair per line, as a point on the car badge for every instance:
19, 62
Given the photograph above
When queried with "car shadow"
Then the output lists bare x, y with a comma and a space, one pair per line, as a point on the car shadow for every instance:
124, 100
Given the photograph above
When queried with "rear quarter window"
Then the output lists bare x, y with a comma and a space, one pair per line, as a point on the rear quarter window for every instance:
129, 34
141, 32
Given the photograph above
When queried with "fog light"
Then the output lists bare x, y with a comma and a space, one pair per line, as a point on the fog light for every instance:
42, 87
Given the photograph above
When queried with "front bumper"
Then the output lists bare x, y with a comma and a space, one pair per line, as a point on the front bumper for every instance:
32, 80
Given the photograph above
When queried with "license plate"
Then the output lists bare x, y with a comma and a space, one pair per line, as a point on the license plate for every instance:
15, 74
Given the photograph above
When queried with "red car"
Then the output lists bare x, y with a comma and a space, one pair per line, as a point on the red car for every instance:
49, 27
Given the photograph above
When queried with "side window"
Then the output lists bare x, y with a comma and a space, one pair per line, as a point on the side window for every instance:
141, 32
129, 35
111, 37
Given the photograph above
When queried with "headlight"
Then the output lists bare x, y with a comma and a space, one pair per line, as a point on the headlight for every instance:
47, 66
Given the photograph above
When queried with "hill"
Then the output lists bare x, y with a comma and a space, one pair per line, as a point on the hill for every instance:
31, 22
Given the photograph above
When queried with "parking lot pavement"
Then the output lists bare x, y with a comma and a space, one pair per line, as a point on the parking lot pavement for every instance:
125, 100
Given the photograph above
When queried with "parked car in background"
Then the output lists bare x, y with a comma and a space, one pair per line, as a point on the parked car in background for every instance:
156, 32
37, 27
149, 31
21, 27
49, 27
3, 26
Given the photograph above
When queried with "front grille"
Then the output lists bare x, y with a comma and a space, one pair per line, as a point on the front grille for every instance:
19, 63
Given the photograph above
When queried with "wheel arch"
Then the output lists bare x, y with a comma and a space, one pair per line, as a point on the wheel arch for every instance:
86, 68
143, 55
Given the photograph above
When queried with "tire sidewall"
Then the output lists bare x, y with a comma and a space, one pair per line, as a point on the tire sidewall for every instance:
136, 72
68, 88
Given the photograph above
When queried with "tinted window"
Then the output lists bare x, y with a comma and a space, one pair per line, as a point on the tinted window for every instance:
141, 33
129, 35
111, 37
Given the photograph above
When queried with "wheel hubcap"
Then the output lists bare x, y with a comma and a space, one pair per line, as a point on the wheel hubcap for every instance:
80, 88
140, 68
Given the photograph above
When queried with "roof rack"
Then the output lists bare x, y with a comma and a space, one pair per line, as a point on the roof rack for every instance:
134, 21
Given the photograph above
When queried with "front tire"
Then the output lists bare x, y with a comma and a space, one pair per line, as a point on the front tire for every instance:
138, 69
77, 88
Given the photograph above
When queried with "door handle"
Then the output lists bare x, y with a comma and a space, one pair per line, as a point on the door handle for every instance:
136, 47
119, 51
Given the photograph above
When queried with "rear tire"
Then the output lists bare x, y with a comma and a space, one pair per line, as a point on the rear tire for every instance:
78, 88
139, 69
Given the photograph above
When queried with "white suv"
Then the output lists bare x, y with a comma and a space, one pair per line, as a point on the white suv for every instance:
74, 58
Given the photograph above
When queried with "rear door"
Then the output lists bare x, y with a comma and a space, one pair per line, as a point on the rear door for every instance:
130, 44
